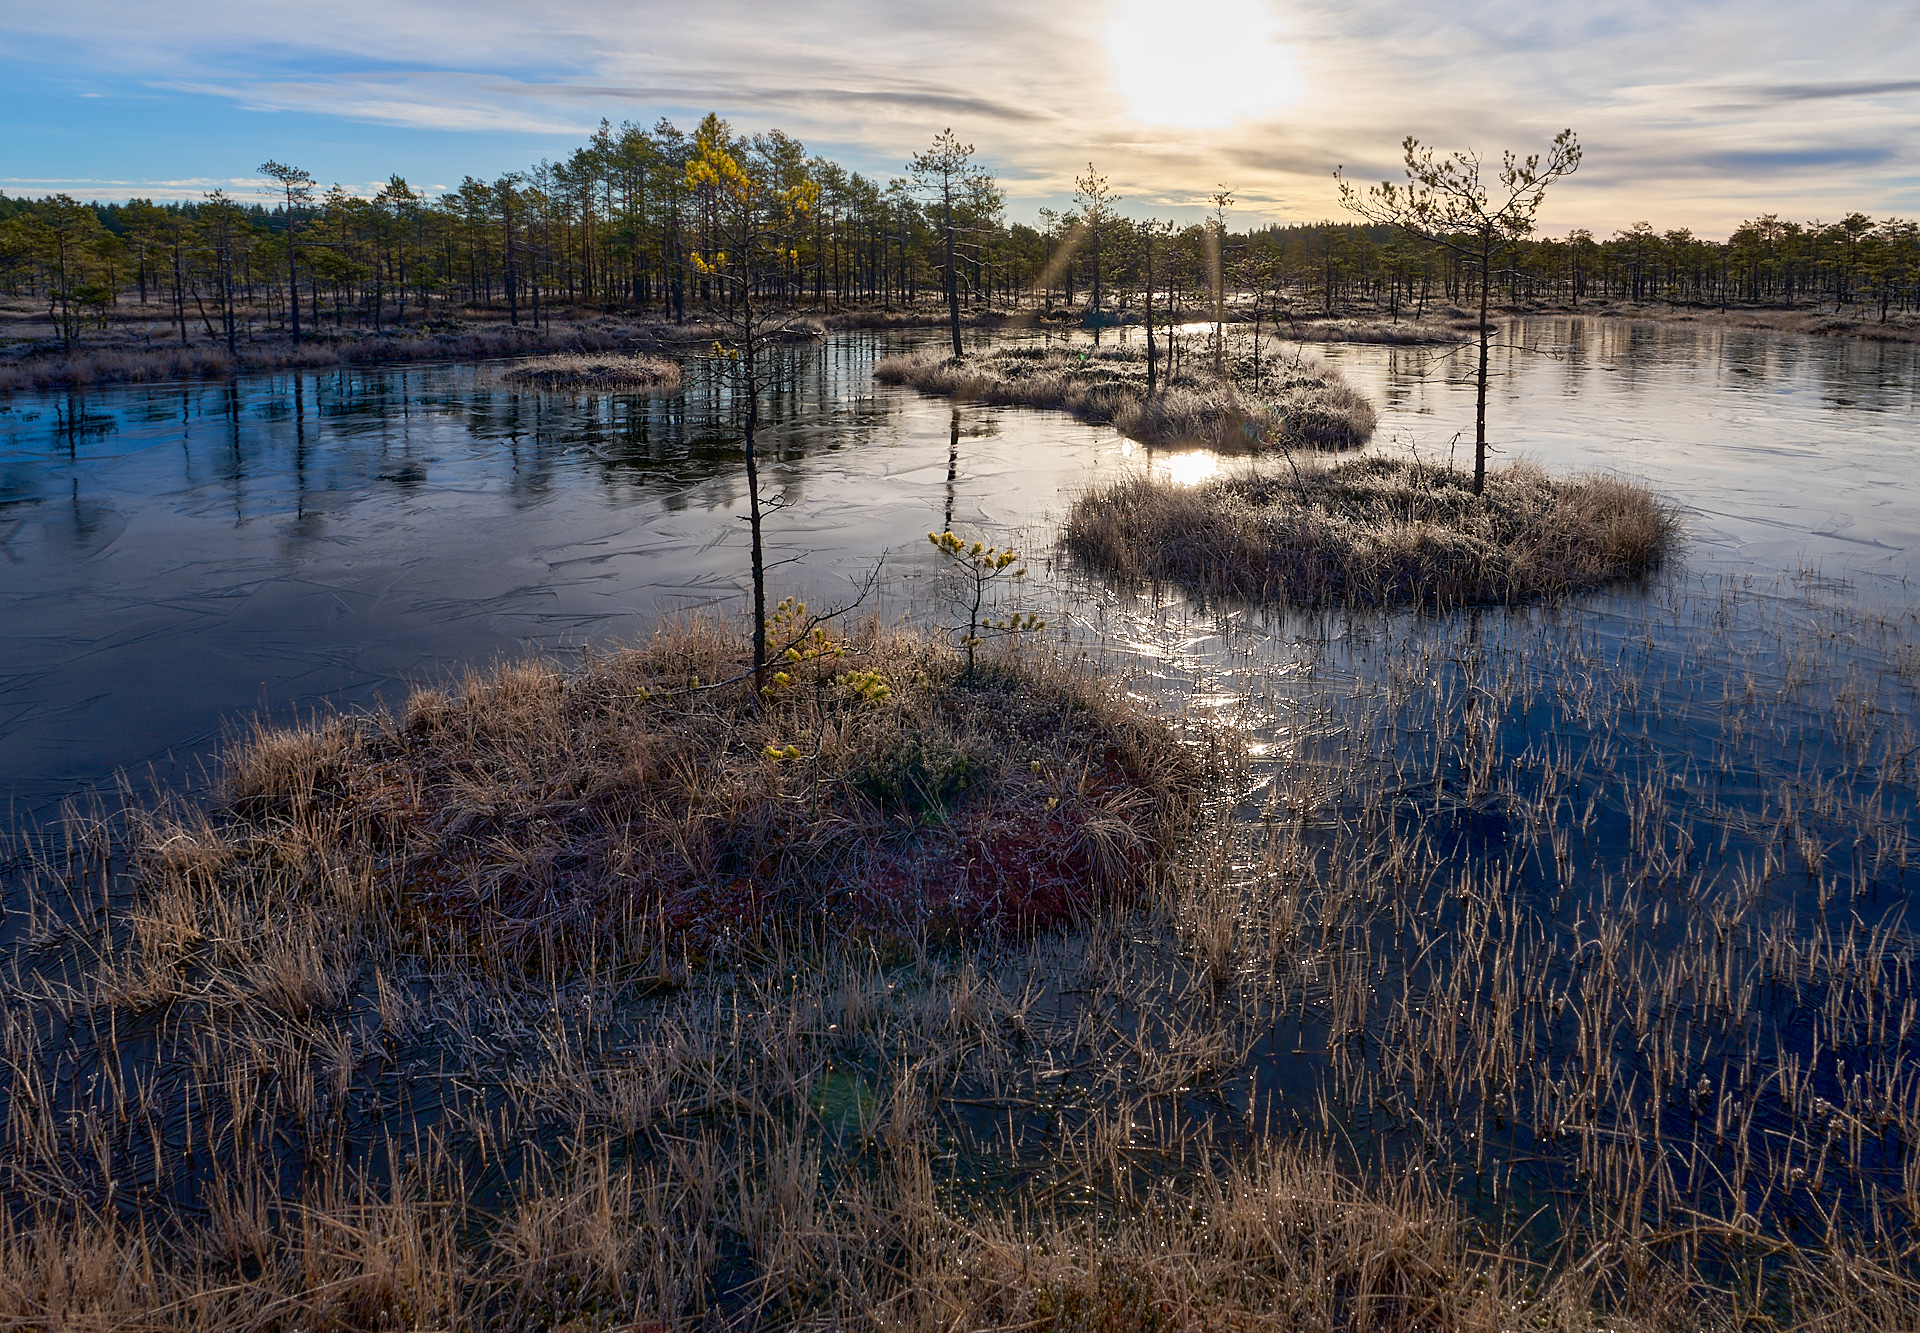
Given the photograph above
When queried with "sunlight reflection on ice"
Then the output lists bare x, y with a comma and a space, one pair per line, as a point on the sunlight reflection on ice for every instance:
1187, 469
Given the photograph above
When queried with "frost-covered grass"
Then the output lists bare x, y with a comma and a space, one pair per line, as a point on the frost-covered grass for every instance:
1377, 531
1287, 405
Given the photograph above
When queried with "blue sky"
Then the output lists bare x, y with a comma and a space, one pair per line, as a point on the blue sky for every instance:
1693, 114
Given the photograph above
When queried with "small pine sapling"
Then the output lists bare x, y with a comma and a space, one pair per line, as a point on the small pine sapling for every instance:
983, 569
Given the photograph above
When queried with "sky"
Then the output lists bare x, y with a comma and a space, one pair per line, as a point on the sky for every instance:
1692, 113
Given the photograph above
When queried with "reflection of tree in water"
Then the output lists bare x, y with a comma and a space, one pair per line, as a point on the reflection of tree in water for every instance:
953, 467
658, 441
1632, 357
982, 429
300, 445
89, 525
282, 442
74, 422
94, 525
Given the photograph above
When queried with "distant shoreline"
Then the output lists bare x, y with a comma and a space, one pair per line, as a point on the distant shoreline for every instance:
31, 358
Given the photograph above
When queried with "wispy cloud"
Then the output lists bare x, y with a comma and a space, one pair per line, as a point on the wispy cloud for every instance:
1704, 112
1814, 92
1799, 159
175, 185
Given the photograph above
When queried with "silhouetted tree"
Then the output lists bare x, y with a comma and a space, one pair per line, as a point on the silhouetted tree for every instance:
506, 193
1150, 236
297, 187
751, 224
1445, 202
1217, 275
944, 174
1096, 202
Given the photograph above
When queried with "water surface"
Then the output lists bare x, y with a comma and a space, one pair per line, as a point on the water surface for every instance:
178, 558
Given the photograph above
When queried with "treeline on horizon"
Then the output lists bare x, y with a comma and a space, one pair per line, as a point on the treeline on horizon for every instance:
615, 226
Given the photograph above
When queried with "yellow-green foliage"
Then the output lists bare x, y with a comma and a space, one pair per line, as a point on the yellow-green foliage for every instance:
982, 570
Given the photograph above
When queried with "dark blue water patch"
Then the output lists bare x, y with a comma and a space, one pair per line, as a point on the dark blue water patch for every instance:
1607, 906
397, 524
286, 540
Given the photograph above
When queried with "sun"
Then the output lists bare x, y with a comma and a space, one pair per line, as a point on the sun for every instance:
1203, 65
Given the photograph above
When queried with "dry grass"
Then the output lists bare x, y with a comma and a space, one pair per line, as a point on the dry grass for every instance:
923, 318
135, 364
583, 371
1609, 912
525, 1007
1860, 321
131, 362
1377, 531
528, 811
1331, 1074
1433, 328
1298, 405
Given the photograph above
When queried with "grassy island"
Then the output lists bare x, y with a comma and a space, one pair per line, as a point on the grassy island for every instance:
1377, 531
374, 1005
584, 371
1254, 406
637, 805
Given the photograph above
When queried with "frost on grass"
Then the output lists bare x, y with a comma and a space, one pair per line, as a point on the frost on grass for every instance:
528, 811
1642, 1061
1377, 531
588, 370
1289, 404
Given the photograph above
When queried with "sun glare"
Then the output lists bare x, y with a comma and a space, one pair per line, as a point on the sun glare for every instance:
1206, 64
1188, 469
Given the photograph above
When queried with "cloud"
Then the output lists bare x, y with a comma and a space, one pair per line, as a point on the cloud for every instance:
1797, 159
733, 94
93, 186
1813, 92
1704, 112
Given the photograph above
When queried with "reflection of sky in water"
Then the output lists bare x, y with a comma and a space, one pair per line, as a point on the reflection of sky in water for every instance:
1781, 448
177, 556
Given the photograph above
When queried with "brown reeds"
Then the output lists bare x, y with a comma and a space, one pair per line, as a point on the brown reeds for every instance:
1298, 406
874, 781
1552, 977
1429, 330
1377, 531
148, 363
556, 891
1610, 913
912, 319
580, 371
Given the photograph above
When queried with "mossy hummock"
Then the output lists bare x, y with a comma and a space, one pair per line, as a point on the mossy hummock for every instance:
1377, 531
1274, 404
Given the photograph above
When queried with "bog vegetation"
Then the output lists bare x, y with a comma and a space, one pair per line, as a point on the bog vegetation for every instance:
262, 986
1548, 978
1258, 405
1379, 531
578, 370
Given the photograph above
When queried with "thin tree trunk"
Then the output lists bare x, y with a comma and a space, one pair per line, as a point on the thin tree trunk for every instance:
293, 284
179, 297
953, 278
513, 295
754, 520
226, 286
1480, 405
1152, 359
